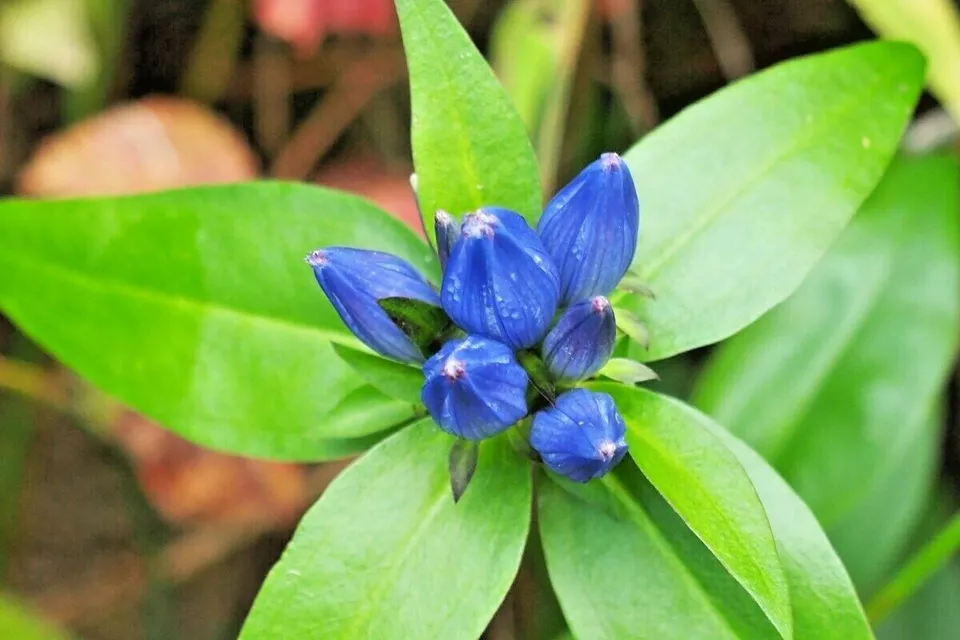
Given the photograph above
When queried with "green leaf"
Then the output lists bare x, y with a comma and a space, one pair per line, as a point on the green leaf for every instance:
628, 371
462, 464
934, 27
534, 49
470, 146
421, 322
822, 598
832, 386
16, 622
195, 307
873, 533
743, 192
705, 483
386, 553
624, 565
392, 378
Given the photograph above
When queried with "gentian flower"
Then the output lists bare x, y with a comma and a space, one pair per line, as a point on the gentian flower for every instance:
582, 437
590, 229
475, 387
582, 340
447, 229
500, 282
355, 279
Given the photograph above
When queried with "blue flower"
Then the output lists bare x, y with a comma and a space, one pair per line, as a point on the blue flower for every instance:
355, 279
582, 340
475, 388
582, 436
590, 229
447, 229
500, 282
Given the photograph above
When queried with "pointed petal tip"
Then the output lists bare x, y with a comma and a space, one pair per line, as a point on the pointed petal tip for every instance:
317, 258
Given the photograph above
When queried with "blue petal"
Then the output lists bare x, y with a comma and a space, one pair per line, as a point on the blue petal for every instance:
582, 340
355, 279
475, 388
590, 228
499, 281
582, 436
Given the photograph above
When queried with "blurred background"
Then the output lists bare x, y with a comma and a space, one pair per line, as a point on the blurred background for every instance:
112, 528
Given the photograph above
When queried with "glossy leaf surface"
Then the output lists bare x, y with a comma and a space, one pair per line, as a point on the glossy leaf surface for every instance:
386, 553
195, 307
744, 191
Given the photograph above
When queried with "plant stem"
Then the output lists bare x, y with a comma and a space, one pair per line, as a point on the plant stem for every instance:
921, 567
31, 381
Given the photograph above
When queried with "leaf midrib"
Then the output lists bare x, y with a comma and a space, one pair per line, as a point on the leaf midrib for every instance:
131, 290
700, 224
642, 519
744, 549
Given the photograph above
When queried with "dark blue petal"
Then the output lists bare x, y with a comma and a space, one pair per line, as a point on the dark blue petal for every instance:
590, 228
355, 279
475, 388
447, 229
582, 437
582, 340
500, 282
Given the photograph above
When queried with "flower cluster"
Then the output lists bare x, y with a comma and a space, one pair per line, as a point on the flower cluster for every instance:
513, 295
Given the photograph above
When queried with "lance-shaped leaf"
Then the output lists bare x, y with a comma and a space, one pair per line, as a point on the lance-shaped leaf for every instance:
387, 554
470, 146
743, 192
836, 384
196, 308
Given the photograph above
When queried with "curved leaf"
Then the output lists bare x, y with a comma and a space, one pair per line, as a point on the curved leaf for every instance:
743, 192
706, 485
392, 378
832, 386
386, 553
470, 146
195, 307
636, 570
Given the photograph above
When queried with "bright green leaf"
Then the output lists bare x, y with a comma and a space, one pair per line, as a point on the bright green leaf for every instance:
392, 378
833, 385
386, 553
196, 308
743, 192
931, 25
18, 623
705, 483
822, 598
624, 565
470, 146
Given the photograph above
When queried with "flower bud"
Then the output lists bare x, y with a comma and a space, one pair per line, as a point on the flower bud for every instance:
581, 437
590, 229
582, 340
500, 282
356, 279
475, 388
447, 229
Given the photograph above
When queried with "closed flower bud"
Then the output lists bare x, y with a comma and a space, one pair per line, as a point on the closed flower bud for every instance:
590, 229
475, 388
356, 279
582, 437
500, 282
447, 229
582, 340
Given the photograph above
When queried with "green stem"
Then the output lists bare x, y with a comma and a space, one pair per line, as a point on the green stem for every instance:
920, 568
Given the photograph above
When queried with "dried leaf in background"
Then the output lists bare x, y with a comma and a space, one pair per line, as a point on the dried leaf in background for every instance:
153, 144
189, 485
